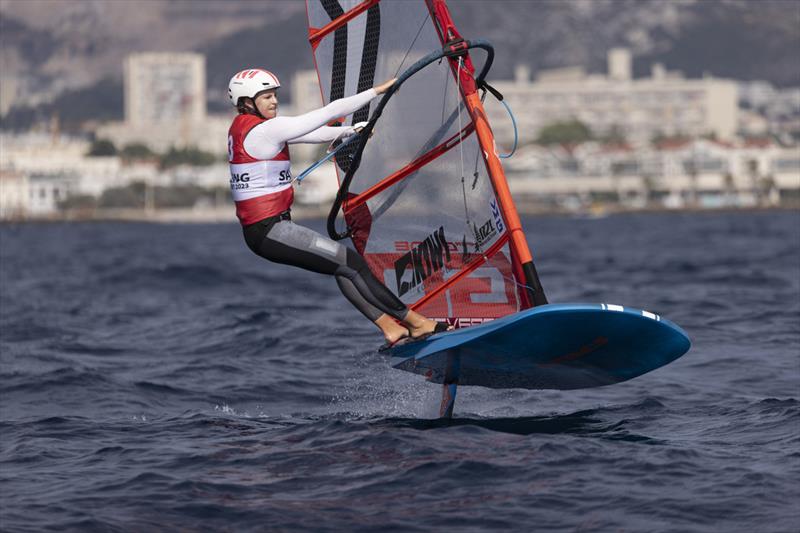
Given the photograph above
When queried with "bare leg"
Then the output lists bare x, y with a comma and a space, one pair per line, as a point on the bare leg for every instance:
392, 331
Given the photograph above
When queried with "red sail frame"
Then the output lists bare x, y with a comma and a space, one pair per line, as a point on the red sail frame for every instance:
520, 252
515, 238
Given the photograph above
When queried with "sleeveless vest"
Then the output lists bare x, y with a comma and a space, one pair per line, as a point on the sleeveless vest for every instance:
260, 188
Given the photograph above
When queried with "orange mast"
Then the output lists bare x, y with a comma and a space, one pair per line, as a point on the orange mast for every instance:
524, 268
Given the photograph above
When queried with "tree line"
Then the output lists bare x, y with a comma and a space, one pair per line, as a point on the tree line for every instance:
138, 195
141, 152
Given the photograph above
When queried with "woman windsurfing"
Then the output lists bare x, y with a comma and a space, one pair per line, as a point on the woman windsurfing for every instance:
261, 185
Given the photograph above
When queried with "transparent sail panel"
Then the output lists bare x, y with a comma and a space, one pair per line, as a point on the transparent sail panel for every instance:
421, 205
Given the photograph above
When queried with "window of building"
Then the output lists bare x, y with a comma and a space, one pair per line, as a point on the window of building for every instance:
625, 168
786, 164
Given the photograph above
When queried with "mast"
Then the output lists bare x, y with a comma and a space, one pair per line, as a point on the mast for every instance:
524, 268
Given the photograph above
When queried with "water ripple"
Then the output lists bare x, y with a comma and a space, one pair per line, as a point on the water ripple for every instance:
151, 380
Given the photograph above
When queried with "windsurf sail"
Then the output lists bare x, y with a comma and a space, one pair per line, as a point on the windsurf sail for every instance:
423, 195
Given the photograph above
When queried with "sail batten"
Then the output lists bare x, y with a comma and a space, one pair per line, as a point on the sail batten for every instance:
338, 19
464, 272
414, 166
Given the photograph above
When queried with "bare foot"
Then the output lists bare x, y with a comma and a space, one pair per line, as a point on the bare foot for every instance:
392, 331
425, 328
395, 336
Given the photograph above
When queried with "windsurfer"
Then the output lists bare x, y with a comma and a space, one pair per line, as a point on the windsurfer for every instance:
261, 185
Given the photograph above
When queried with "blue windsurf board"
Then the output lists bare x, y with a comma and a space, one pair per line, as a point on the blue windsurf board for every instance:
554, 346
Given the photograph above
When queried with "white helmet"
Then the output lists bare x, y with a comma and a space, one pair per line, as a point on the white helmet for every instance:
250, 82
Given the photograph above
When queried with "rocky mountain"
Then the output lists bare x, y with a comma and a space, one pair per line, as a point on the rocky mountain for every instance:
67, 54
739, 39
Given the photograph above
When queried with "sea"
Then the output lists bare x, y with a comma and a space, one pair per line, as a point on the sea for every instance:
161, 377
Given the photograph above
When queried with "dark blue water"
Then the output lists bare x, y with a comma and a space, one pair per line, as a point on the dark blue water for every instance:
158, 377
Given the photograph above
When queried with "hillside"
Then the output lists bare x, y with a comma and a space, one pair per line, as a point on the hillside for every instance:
68, 54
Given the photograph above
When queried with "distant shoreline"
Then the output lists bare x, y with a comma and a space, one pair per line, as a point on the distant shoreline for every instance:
226, 215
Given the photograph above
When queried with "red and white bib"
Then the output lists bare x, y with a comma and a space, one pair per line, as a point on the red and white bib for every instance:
260, 188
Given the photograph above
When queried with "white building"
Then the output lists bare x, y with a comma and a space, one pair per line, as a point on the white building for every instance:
769, 109
665, 103
165, 88
696, 172
211, 135
9, 93
44, 155
46, 191
165, 105
14, 194
49, 169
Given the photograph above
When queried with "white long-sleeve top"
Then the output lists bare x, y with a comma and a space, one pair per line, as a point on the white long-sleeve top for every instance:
267, 139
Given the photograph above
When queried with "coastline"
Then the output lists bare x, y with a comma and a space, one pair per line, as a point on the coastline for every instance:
225, 214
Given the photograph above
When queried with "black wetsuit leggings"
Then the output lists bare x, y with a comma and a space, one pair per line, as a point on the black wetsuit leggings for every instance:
280, 240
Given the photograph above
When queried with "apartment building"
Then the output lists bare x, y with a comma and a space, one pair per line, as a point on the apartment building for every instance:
663, 104
165, 104
698, 172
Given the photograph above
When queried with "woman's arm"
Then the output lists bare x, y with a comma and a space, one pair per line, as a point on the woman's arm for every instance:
266, 139
324, 134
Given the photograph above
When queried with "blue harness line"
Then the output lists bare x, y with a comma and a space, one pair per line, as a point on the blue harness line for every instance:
516, 137
327, 157
488, 88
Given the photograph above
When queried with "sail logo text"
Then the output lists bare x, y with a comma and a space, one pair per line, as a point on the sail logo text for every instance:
483, 234
405, 246
498, 219
421, 261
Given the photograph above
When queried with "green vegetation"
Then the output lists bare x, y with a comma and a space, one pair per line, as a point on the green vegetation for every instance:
137, 151
181, 196
102, 147
133, 197
77, 202
614, 136
186, 156
568, 132
130, 196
